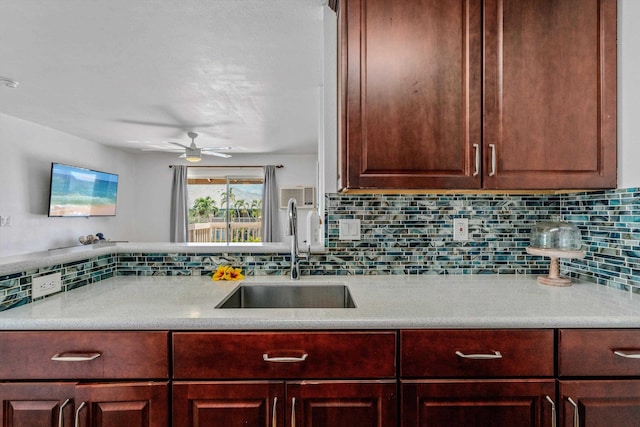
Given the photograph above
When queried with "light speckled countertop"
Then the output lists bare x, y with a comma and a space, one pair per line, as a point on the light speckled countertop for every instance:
383, 302
33, 260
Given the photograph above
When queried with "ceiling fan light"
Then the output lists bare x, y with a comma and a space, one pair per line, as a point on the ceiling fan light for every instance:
193, 154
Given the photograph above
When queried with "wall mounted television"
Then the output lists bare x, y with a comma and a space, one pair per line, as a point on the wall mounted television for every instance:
80, 192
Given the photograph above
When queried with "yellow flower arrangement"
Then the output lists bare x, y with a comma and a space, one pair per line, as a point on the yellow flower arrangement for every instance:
227, 272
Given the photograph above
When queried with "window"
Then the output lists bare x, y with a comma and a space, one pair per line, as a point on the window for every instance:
225, 206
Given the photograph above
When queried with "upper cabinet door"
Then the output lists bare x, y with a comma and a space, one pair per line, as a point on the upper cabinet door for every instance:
549, 94
410, 81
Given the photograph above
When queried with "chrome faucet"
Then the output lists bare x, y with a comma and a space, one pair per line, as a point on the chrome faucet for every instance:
296, 255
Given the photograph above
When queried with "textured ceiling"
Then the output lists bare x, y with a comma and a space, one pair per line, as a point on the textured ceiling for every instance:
136, 74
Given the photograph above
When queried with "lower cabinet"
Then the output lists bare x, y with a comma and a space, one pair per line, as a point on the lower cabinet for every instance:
84, 379
471, 378
495, 403
132, 404
291, 403
477, 378
36, 404
593, 403
303, 379
599, 371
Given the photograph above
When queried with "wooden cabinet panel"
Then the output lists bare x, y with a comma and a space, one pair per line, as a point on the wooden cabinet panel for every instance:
36, 404
550, 94
600, 403
233, 355
342, 403
477, 403
222, 404
470, 94
433, 353
28, 355
123, 404
592, 352
411, 93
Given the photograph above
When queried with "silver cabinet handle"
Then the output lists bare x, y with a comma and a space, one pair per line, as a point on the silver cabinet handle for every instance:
476, 169
274, 417
61, 413
76, 422
553, 411
75, 357
292, 359
493, 159
576, 415
495, 355
293, 412
626, 354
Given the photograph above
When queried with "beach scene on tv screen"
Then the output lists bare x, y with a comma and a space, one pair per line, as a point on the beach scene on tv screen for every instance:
82, 192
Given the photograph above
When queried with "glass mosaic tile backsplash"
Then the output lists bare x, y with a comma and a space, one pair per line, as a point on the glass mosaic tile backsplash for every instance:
411, 234
610, 225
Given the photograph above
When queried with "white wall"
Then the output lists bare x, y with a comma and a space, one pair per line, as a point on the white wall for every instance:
144, 193
153, 198
26, 153
328, 147
628, 93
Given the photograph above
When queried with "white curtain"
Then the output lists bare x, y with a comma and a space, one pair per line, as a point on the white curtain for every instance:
179, 207
269, 205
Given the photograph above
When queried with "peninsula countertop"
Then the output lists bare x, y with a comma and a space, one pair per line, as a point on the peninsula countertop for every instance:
382, 302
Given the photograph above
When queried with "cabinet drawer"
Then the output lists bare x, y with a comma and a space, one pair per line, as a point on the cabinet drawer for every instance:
592, 352
476, 353
84, 355
262, 355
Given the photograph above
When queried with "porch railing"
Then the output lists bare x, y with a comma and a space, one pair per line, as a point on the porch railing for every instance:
216, 232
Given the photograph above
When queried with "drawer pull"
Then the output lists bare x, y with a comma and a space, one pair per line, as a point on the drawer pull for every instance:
75, 357
76, 422
293, 412
61, 413
626, 354
576, 414
476, 167
290, 359
495, 355
274, 416
493, 159
553, 411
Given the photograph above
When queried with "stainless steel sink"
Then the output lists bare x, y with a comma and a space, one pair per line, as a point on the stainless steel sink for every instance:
288, 296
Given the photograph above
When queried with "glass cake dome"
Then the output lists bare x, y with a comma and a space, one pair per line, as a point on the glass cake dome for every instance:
556, 235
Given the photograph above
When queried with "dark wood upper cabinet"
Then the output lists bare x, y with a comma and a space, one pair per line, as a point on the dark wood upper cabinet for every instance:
550, 94
473, 94
411, 93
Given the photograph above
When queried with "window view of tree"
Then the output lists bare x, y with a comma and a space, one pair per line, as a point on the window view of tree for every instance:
227, 209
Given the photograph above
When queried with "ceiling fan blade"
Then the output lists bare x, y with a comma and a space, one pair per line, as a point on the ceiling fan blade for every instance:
165, 150
215, 148
178, 144
225, 156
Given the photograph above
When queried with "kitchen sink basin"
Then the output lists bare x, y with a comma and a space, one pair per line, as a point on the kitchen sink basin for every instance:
288, 296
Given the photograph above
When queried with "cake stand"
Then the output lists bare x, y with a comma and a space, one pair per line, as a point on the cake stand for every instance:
554, 278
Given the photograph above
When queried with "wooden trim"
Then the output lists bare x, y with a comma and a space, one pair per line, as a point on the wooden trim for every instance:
395, 191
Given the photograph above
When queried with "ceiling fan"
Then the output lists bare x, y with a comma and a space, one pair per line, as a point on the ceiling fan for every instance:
193, 153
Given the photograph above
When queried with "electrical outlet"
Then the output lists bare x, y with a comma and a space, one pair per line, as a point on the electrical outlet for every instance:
461, 229
45, 285
349, 229
5, 221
